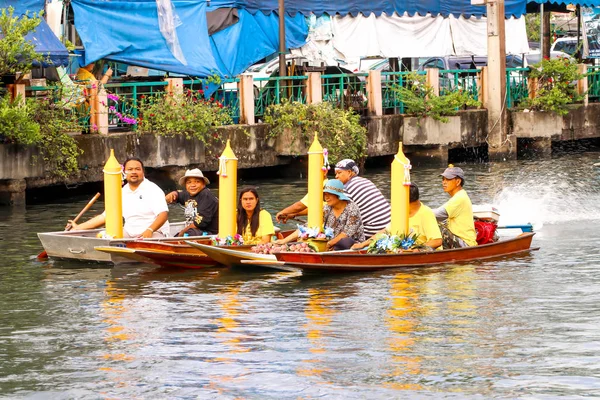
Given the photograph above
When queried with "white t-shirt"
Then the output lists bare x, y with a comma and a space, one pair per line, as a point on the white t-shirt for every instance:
141, 206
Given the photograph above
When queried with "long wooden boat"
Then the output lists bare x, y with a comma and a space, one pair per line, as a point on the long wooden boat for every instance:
236, 257
80, 245
361, 261
195, 260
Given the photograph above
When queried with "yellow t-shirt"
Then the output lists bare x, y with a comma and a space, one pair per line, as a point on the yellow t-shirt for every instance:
265, 227
305, 198
460, 217
424, 224
84, 75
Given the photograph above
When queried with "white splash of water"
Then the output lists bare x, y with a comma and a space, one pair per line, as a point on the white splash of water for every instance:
542, 203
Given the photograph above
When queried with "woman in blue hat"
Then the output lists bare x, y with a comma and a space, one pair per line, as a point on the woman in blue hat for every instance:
341, 215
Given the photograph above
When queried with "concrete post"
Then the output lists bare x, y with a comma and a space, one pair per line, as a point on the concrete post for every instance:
375, 100
500, 145
174, 86
582, 84
482, 86
433, 79
17, 90
532, 86
314, 90
93, 99
246, 99
102, 111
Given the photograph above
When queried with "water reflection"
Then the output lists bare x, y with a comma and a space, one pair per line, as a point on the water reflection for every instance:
319, 315
402, 322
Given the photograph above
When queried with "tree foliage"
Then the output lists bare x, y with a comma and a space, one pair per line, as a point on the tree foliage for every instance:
17, 54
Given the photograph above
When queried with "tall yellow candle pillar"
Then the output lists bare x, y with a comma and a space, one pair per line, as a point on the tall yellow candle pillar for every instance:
113, 205
315, 184
227, 192
400, 192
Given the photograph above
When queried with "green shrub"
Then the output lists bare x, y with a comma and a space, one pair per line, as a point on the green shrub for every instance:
16, 125
421, 101
16, 53
556, 86
190, 115
40, 123
340, 131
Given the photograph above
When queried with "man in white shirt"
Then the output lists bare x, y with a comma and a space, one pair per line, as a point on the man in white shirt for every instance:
144, 207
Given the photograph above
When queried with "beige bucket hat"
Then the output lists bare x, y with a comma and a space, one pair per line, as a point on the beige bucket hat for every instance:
193, 173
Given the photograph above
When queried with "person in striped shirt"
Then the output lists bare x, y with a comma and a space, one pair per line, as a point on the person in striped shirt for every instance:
374, 209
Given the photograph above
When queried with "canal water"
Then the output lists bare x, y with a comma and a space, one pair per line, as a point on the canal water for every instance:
520, 327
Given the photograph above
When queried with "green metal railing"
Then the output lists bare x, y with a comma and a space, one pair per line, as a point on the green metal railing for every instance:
593, 83
226, 95
277, 88
345, 90
467, 80
71, 99
391, 99
516, 86
129, 95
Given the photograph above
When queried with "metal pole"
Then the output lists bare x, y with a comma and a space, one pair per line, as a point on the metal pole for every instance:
541, 31
282, 68
579, 52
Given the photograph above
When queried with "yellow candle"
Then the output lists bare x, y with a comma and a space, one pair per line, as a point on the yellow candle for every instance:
315, 184
112, 196
227, 192
400, 192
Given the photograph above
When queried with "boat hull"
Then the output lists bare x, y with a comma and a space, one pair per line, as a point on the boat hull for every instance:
234, 257
80, 245
361, 261
193, 260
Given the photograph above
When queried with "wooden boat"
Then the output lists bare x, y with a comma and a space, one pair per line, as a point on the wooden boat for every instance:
164, 254
235, 257
79, 245
361, 261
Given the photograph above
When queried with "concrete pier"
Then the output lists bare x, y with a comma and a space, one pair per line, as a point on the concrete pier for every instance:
425, 141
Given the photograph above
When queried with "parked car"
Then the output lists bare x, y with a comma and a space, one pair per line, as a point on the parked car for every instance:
570, 45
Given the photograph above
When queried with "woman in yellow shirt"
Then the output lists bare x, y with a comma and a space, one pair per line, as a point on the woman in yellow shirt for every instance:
255, 225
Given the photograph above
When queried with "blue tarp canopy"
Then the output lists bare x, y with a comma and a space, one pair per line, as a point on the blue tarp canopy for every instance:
43, 38
354, 7
128, 31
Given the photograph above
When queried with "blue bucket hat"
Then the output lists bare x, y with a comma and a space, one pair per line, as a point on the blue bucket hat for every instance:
336, 187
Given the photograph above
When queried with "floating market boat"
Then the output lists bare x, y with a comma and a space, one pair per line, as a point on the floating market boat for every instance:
362, 261
80, 245
234, 257
174, 253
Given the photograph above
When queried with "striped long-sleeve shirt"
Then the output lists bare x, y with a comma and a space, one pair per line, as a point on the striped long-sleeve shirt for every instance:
374, 208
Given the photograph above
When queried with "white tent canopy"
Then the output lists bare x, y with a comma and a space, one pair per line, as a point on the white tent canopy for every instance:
347, 39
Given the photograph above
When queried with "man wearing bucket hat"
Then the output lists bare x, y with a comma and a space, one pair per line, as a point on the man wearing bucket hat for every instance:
458, 229
341, 215
201, 206
374, 208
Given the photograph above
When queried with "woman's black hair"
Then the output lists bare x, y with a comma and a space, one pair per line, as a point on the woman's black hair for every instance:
133, 159
242, 217
413, 193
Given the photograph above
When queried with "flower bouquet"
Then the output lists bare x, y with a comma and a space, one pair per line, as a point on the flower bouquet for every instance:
393, 244
316, 236
235, 240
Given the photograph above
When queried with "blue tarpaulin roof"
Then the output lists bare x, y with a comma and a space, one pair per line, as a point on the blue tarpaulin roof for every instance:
43, 38
354, 7
226, 53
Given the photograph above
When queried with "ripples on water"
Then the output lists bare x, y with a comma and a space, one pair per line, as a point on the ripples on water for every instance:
513, 328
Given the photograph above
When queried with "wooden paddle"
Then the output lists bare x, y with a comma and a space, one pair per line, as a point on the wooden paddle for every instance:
44, 255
